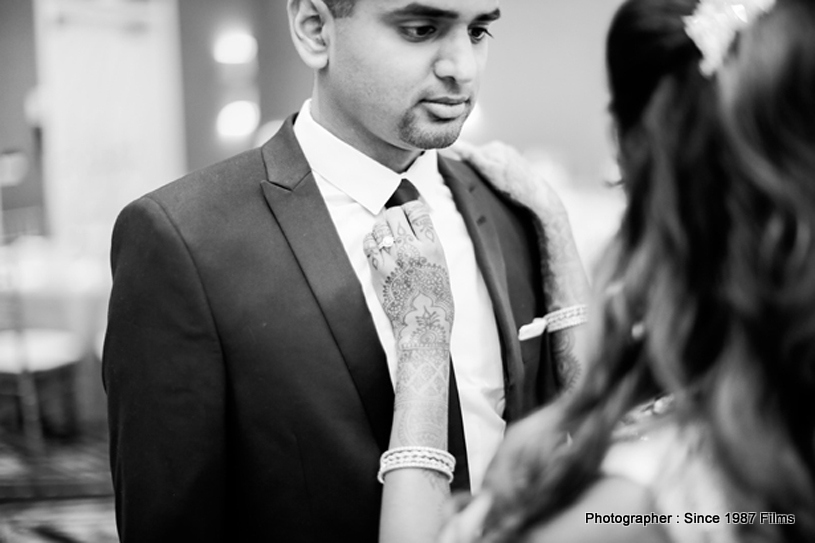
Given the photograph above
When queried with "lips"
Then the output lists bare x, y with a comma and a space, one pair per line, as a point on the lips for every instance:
447, 107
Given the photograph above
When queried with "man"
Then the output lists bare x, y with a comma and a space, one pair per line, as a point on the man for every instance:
247, 361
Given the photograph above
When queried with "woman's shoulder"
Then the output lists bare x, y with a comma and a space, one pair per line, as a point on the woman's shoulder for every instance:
673, 460
656, 469
613, 509
642, 447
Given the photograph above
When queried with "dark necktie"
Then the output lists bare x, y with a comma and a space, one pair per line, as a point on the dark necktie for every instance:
404, 193
456, 443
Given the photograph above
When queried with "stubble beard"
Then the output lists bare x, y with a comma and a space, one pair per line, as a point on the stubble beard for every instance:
438, 137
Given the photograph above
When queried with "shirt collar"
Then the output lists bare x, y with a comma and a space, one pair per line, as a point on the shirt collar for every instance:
362, 178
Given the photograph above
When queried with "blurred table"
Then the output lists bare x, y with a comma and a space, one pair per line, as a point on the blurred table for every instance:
58, 289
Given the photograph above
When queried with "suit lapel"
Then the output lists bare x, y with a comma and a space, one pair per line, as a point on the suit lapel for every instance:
299, 208
467, 194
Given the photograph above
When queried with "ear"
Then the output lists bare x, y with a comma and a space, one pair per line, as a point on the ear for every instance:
310, 22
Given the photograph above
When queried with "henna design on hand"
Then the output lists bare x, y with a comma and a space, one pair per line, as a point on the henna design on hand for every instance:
418, 301
424, 228
413, 286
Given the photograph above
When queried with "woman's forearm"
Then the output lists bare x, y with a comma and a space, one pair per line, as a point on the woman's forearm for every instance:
413, 499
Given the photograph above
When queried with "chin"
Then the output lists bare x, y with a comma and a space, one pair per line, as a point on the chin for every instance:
433, 138
425, 133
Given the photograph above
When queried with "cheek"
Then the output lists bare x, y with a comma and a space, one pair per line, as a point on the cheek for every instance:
383, 88
382, 76
390, 71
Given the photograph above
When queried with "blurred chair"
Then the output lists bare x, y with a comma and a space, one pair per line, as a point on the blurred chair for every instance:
37, 368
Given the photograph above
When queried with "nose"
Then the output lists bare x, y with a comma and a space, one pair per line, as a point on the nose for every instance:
458, 58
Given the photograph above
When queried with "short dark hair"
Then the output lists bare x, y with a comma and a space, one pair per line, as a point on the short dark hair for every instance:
340, 8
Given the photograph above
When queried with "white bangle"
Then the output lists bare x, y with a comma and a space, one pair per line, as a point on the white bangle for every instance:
566, 318
416, 457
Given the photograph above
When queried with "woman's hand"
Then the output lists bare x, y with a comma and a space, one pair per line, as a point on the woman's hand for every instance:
466, 525
412, 282
413, 285
410, 274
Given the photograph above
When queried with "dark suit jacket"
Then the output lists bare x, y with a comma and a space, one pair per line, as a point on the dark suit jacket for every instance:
249, 397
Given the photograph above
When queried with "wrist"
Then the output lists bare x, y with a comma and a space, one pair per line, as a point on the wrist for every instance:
419, 420
411, 341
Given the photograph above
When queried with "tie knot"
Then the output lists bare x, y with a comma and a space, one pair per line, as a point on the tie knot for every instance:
405, 192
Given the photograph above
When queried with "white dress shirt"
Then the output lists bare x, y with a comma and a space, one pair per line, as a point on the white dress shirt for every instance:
355, 188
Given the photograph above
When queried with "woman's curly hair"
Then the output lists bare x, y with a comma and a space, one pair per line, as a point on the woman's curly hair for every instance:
715, 255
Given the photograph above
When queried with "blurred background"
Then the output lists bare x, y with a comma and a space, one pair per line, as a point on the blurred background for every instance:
104, 100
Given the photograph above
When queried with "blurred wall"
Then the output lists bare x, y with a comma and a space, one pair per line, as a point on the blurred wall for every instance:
285, 81
206, 85
281, 81
112, 124
18, 74
545, 86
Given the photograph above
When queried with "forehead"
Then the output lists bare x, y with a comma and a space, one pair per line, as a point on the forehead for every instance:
452, 9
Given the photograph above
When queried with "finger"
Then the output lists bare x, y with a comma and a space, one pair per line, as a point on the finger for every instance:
376, 258
399, 225
418, 216
369, 246
456, 531
458, 502
448, 533
470, 521
416, 210
382, 234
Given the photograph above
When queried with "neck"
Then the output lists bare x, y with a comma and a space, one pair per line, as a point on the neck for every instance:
391, 156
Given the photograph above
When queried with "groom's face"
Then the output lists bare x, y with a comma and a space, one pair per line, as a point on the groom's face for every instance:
404, 74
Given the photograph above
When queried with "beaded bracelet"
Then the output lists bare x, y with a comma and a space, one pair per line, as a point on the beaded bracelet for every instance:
416, 457
566, 318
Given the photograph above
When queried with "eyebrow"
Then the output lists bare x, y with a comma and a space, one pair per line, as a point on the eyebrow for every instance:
417, 9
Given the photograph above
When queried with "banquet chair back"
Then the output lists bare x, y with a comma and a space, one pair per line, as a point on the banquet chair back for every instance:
37, 367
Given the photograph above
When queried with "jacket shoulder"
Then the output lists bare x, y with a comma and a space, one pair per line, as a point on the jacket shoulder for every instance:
217, 181
202, 203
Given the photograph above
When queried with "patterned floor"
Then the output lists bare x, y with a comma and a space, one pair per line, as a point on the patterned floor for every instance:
62, 521
65, 495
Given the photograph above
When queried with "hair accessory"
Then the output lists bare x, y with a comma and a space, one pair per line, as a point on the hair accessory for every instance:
566, 318
715, 23
416, 457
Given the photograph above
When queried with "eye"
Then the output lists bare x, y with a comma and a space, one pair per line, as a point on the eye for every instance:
419, 32
478, 33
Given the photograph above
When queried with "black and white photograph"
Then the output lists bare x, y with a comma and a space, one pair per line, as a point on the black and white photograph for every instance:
407, 271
